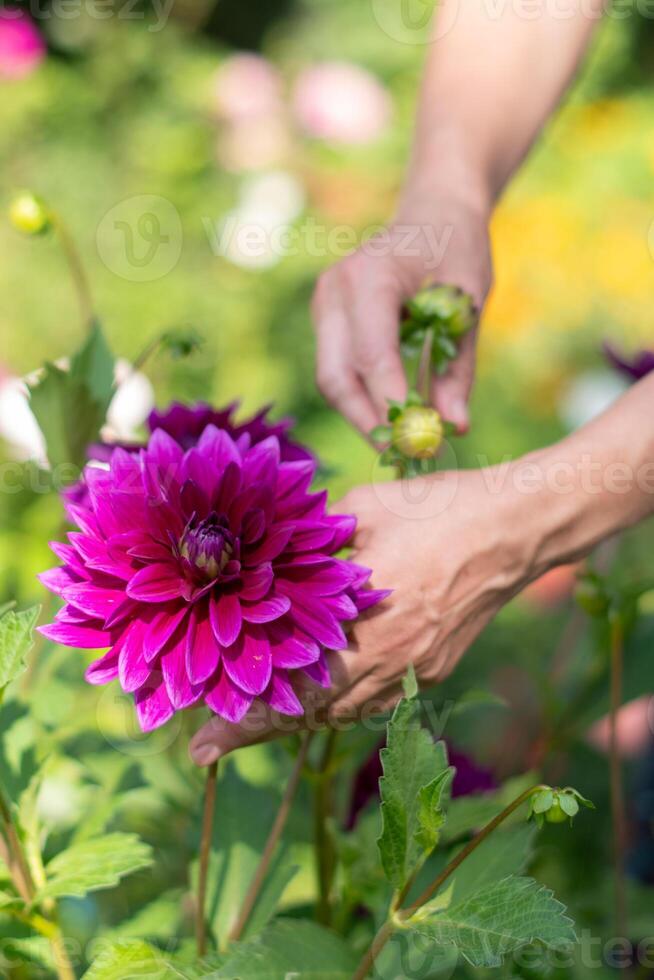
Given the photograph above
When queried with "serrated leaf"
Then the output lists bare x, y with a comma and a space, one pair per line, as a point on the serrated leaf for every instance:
16, 632
94, 864
411, 761
497, 920
70, 406
296, 948
431, 815
128, 960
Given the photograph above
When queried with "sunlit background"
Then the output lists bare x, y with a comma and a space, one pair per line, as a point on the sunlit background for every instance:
232, 114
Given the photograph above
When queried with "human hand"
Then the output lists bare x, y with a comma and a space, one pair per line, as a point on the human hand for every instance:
449, 547
358, 301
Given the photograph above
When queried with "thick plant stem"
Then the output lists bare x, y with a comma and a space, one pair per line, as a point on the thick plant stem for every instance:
324, 845
273, 838
205, 851
615, 777
77, 272
389, 926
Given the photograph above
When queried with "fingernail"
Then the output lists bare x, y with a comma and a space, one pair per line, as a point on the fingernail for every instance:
204, 755
459, 414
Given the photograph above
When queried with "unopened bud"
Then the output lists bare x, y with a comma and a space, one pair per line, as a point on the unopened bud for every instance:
29, 214
418, 433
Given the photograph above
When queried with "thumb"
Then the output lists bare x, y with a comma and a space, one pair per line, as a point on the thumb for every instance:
451, 391
219, 737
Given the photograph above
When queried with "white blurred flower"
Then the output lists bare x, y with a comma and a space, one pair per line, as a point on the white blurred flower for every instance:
255, 235
588, 395
18, 427
247, 86
59, 802
129, 408
341, 102
131, 405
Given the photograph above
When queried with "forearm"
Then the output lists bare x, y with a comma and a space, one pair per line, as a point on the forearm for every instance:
494, 74
595, 483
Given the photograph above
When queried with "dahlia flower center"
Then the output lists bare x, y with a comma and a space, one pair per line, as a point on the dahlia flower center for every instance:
208, 546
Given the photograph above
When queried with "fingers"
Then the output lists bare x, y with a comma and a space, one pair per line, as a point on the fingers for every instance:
219, 737
451, 391
335, 371
356, 312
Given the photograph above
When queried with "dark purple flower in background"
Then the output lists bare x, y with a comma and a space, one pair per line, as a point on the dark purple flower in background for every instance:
186, 424
635, 367
208, 573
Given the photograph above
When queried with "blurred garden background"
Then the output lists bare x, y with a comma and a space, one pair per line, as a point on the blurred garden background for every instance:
299, 113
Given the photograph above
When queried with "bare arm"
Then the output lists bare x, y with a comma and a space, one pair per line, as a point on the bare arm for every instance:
494, 73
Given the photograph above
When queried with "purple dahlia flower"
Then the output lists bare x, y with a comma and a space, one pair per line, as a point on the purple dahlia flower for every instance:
210, 575
186, 424
634, 368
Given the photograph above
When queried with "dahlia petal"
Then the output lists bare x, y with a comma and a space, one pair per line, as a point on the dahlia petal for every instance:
340, 606
193, 499
254, 525
316, 620
227, 700
202, 649
324, 579
82, 637
124, 609
153, 706
94, 600
181, 692
318, 672
125, 471
290, 646
226, 618
249, 661
310, 507
343, 527
230, 486
295, 478
104, 670
164, 451
201, 471
64, 552
156, 583
160, 629
280, 695
218, 446
99, 556
84, 518
272, 545
256, 581
58, 579
133, 669
265, 610
370, 597
309, 536
261, 462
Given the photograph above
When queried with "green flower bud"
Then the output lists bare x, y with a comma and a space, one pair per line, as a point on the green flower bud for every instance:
417, 432
556, 813
29, 214
444, 305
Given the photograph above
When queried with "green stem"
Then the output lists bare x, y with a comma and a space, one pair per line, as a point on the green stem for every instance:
388, 927
76, 268
205, 852
276, 831
324, 845
618, 816
423, 376
18, 866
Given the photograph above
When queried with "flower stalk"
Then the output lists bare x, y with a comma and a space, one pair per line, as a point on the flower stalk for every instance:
76, 267
400, 915
205, 852
273, 838
618, 815
324, 845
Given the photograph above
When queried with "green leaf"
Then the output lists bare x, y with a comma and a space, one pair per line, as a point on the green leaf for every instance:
70, 406
6, 899
293, 947
497, 920
94, 864
157, 920
568, 804
130, 959
411, 762
16, 633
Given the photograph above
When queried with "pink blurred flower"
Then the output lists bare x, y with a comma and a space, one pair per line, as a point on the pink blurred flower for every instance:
341, 102
22, 48
247, 86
